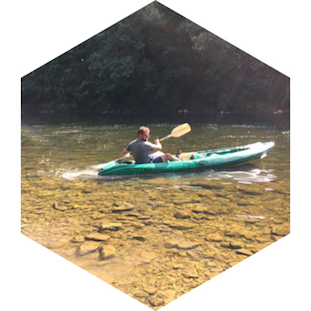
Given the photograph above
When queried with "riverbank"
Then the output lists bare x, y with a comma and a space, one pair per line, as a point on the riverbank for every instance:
279, 120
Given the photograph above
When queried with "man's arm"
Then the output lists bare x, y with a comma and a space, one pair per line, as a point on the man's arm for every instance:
158, 145
124, 152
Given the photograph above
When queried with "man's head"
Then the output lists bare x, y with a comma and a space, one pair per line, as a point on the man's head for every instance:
143, 133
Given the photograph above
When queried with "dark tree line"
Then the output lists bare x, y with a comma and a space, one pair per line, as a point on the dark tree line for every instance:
155, 61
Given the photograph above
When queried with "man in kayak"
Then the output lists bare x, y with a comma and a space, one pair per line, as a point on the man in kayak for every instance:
141, 147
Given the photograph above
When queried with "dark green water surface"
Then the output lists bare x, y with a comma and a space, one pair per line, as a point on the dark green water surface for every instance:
153, 237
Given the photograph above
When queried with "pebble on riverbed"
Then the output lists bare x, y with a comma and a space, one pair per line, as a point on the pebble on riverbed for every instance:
244, 251
155, 302
280, 230
178, 225
182, 215
140, 294
236, 244
87, 247
124, 207
191, 274
97, 237
150, 290
139, 238
60, 208
107, 252
184, 245
216, 237
111, 226
78, 239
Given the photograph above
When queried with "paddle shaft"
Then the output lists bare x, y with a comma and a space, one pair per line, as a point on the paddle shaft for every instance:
168, 136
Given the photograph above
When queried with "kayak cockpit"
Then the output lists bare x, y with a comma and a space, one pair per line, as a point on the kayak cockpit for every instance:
203, 154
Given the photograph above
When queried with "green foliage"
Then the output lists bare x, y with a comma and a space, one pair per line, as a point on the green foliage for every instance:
155, 61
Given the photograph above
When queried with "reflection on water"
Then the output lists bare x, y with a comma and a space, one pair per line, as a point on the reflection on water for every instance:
154, 237
252, 176
241, 176
75, 174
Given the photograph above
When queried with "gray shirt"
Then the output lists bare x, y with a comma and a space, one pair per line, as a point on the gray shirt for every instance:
140, 150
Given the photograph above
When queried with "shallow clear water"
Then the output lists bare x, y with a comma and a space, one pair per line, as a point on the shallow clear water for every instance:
159, 235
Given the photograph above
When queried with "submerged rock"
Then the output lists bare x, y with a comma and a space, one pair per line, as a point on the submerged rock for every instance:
191, 274
55, 244
137, 225
280, 230
212, 185
86, 191
119, 209
234, 232
155, 302
236, 244
147, 257
111, 226
187, 245
96, 216
78, 239
139, 238
244, 251
178, 225
124, 207
97, 236
177, 266
194, 255
60, 208
150, 290
87, 247
199, 209
183, 244
215, 237
142, 217
181, 215
140, 294
107, 252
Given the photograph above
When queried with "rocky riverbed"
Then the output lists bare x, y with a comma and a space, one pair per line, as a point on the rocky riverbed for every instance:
154, 238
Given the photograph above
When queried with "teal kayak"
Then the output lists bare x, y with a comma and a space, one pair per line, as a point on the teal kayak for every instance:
192, 160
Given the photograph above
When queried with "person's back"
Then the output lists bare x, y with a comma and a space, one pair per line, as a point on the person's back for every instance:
140, 150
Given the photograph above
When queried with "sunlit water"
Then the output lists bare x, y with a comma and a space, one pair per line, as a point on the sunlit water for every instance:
177, 230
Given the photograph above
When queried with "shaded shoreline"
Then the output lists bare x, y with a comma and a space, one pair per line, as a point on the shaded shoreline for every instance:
279, 120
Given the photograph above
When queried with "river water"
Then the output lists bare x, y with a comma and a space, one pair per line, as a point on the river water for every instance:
153, 237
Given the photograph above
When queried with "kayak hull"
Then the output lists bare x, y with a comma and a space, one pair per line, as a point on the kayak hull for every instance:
201, 159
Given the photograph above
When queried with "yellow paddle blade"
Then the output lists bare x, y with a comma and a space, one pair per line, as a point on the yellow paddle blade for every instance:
180, 130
